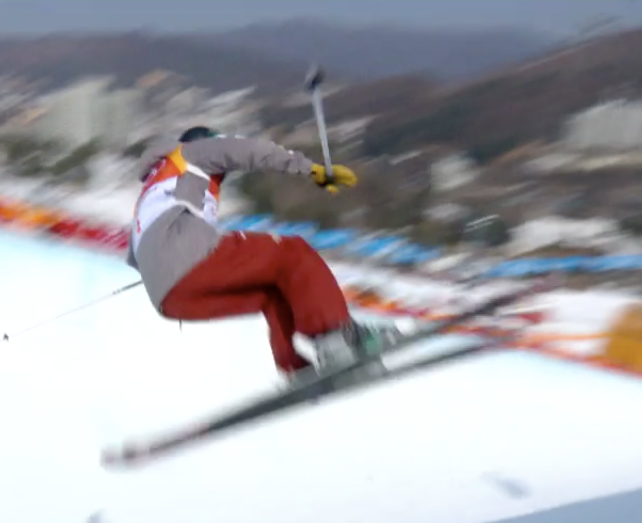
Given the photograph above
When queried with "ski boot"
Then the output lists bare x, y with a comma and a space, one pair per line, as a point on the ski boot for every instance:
352, 343
344, 347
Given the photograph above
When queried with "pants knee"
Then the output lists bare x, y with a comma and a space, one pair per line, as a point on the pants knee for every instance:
299, 246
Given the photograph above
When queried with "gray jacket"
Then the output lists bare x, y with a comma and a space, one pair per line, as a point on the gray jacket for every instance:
179, 240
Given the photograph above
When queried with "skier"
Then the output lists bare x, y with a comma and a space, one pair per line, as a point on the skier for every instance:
193, 271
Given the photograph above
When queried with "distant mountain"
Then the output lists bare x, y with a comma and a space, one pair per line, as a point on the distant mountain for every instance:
376, 52
524, 103
59, 59
272, 57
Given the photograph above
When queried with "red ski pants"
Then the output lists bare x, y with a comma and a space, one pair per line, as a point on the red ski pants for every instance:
282, 277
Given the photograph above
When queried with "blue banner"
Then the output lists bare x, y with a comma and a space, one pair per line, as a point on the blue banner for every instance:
614, 263
303, 229
371, 247
256, 222
332, 239
535, 266
411, 254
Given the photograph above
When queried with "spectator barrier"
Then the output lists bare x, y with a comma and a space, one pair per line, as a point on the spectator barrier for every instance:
390, 249
621, 346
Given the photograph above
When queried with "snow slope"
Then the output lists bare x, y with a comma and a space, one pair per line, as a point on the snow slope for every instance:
504, 435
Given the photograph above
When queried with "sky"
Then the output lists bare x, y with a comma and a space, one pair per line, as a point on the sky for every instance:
554, 16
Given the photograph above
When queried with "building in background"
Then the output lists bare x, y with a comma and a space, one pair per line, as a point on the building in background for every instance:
119, 113
233, 112
614, 126
89, 111
453, 170
177, 108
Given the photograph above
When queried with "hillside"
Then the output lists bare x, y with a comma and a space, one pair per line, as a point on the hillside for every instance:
58, 59
522, 103
370, 53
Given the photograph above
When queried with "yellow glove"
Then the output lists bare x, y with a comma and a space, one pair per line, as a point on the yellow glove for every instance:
341, 175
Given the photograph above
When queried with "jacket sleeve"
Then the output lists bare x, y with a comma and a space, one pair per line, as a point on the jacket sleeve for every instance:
225, 154
130, 259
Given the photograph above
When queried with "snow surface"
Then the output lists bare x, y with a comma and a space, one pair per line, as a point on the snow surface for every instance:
496, 437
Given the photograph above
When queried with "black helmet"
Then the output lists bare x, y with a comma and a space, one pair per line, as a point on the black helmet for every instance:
197, 133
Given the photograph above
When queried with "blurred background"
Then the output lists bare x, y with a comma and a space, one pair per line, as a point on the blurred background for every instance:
507, 131
492, 138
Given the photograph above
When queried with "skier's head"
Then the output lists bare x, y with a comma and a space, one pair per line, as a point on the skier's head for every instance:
197, 133
200, 132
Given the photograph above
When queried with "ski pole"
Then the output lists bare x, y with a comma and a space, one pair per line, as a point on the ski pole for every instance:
313, 82
5, 337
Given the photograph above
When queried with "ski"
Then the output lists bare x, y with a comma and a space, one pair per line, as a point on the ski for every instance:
490, 341
315, 387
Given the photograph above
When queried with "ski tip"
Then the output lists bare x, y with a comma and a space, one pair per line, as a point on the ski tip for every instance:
111, 459
127, 456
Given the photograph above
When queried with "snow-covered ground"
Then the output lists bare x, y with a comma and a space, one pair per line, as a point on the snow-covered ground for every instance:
499, 436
